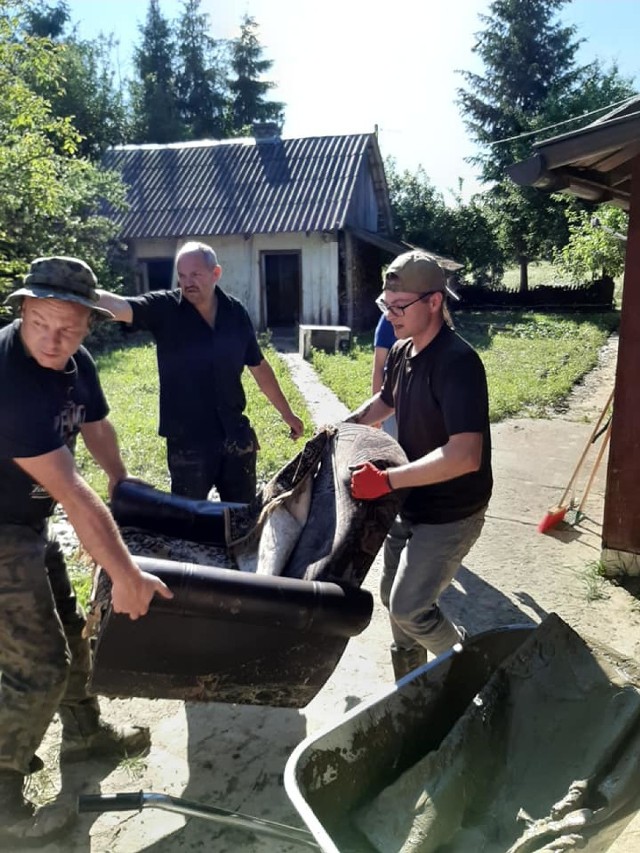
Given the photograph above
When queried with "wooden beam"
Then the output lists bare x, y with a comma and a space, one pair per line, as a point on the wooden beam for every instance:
621, 526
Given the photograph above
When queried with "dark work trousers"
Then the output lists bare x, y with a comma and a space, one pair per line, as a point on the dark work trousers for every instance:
44, 660
230, 467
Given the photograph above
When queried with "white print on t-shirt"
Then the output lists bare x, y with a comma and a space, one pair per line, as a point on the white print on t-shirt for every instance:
69, 421
67, 424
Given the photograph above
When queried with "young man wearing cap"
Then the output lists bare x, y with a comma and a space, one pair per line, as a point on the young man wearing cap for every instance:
436, 385
49, 392
204, 340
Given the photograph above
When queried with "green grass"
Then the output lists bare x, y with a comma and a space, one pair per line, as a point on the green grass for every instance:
540, 272
532, 360
595, 582
129, 376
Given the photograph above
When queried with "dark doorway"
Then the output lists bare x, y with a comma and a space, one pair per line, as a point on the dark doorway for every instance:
282, 281
160, 273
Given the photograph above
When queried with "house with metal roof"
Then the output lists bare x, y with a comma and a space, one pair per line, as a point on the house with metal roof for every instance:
302, 227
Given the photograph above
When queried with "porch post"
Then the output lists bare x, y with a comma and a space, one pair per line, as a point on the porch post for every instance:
621, 524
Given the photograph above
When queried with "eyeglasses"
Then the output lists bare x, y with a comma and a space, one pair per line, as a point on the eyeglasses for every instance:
398, 310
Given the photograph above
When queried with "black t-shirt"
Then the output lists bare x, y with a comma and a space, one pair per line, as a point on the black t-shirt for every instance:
40, 411
440, 392
200, 368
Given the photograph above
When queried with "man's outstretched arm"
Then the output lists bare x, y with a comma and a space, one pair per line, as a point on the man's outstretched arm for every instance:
118, 305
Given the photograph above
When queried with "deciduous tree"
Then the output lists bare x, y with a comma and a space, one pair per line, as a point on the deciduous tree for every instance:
597, 244
50, 199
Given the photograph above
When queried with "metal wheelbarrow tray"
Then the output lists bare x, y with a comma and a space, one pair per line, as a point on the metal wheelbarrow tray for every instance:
335, 776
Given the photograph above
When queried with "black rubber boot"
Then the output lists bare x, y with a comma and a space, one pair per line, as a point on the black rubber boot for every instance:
85, 735
23, 824
405, 661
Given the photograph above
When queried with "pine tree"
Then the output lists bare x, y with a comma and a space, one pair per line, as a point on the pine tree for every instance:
248, 88
201, 78
529, 59
530, 80
156, 113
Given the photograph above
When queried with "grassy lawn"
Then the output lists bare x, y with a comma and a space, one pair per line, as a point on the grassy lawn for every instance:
542, 272
532, 359
129, 376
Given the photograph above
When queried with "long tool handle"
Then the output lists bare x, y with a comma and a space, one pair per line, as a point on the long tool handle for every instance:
142, 800
596, 465
583, 455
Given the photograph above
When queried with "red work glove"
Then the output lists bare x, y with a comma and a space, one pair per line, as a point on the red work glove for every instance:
369, 482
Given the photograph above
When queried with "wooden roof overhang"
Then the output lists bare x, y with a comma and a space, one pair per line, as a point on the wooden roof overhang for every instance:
601, 163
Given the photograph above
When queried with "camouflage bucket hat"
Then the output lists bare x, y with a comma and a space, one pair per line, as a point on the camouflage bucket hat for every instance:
65, 278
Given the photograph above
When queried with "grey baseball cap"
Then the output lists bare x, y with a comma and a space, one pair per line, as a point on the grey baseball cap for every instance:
61, 277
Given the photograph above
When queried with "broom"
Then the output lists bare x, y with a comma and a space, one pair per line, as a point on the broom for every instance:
557, 513
605, 441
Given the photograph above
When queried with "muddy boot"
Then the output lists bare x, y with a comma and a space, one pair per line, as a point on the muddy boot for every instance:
406, 660
85, 735
23, 824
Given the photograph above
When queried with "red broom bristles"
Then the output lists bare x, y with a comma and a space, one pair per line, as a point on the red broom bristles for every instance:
552, 518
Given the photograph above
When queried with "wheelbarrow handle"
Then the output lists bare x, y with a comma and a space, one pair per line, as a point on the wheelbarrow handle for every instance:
110, 802
135, 802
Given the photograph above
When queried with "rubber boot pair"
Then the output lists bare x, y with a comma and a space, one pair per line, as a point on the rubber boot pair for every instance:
85, 735
22, 823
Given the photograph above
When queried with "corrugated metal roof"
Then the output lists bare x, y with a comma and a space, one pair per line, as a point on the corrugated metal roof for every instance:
241, 186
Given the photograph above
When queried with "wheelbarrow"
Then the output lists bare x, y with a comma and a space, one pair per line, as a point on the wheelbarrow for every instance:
522, 740
326, 775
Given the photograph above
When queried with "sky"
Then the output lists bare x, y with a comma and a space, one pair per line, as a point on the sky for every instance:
351, 66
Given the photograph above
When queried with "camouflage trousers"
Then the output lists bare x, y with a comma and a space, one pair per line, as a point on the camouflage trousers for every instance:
44, 660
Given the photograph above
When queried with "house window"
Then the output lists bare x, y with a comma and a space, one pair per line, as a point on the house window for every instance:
282, 283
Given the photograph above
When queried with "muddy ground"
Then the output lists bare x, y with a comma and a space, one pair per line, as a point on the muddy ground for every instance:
234, 756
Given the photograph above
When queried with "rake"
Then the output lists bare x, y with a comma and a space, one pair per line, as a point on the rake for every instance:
557, 513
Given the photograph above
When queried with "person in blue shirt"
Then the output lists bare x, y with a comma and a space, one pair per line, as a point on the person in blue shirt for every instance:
384, 338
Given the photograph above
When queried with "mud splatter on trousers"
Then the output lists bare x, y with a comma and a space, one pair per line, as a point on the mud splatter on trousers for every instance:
44, 659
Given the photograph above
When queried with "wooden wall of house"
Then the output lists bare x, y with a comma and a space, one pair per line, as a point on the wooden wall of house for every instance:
240, 260
364, 263
319, 274
363, 210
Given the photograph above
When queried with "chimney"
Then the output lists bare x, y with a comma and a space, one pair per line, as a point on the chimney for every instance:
265, 131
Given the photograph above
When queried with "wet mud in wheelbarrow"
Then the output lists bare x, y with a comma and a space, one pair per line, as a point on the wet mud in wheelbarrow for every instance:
266, 595
525, 740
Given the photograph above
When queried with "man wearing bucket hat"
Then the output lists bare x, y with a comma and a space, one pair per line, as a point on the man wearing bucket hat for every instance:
50, 392
436, 385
